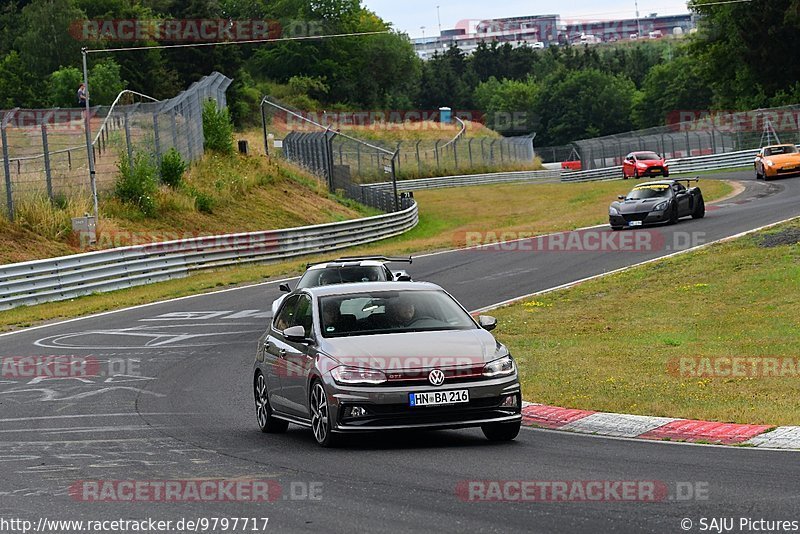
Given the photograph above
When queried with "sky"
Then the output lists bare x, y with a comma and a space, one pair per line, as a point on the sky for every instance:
408, 15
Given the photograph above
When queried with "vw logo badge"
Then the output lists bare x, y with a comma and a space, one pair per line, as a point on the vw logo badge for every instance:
436, 377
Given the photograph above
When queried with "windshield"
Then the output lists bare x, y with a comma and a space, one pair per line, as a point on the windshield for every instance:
647, 156
649, 191
341, 275
777, 150
389, 312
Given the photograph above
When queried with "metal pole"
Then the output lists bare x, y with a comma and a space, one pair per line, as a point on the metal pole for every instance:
46, 154
264, 128
7, 172
394, 181
88, 130
128, 140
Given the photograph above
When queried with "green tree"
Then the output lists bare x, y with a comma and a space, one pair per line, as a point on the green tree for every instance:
105, 83
45, 43
510, 105
18, 87
670, 87
585, 104
63, 86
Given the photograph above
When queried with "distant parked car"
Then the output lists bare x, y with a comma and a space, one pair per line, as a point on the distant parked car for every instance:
777, 160
646, 163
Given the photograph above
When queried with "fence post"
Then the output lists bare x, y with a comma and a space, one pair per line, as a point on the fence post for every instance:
46, 153
469, 151
394, 179
156, 138
455, 152
397, 152
128, 143
7, 172
436, 150
174, 128
419, 161
264, 128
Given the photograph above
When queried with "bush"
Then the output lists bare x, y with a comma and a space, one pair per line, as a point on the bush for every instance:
172, 168
136, 183
217, 128
204, 202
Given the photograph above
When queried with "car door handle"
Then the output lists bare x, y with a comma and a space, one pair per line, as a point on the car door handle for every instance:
282, 353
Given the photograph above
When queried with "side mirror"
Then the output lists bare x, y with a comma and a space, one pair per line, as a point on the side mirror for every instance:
401, 276
487, 322
621, 197
285, 288
295, 333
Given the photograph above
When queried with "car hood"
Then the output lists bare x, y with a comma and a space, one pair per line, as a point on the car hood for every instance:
781, 159
637, 206
651, 161
415, 350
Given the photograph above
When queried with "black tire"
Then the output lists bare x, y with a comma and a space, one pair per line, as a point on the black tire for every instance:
666, 174
699, 210
320, 416
673, 217
501, 431
636, 173
266, 421
758, 175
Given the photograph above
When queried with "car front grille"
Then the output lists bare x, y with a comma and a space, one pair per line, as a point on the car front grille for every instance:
635, 216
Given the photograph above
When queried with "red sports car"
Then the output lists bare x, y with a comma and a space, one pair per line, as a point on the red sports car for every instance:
638, 164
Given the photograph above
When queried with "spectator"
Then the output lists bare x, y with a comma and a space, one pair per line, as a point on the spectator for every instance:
82, 95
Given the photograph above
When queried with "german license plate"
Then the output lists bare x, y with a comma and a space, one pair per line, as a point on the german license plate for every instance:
635, 223
438, 398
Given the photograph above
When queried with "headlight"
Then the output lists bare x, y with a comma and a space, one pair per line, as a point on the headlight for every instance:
357, 376
661, 207
613, 211
502, 367
770, 163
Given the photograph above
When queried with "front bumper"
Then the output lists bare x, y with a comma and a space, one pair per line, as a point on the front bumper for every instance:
388, 407
646, 218
778, 171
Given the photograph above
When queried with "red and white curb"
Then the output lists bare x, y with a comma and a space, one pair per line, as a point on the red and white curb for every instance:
659, 428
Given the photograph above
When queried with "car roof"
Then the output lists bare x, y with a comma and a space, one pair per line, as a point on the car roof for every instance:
340, 264
645, 152
779, 146
657, 182
369, 287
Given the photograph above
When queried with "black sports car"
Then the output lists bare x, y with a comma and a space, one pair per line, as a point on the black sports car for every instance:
660, 202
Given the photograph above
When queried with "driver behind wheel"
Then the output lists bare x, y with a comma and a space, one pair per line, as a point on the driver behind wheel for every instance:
403, 312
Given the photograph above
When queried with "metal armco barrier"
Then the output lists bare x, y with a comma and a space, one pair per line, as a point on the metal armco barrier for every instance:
67, 277
469, 179
713, 162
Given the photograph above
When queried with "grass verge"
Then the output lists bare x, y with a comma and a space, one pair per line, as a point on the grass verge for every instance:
639, 341
500, 211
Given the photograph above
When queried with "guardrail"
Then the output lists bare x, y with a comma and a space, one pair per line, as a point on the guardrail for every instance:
469, 179
711, 162
67, 277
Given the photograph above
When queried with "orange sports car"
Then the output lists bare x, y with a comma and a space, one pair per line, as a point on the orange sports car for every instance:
777, 160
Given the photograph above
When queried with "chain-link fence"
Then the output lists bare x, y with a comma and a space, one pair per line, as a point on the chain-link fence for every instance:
45, 151
702, 134
367, 160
